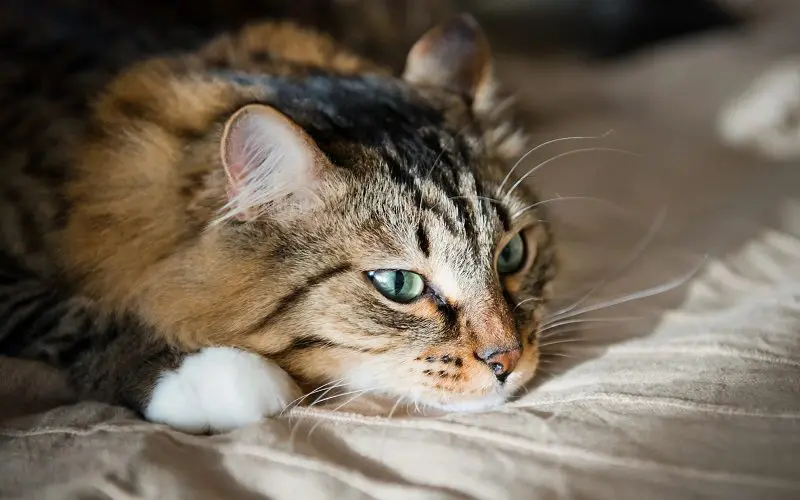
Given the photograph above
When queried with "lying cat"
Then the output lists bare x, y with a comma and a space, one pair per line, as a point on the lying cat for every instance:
194, 233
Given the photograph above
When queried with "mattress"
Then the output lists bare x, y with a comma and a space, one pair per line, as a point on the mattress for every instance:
679, 379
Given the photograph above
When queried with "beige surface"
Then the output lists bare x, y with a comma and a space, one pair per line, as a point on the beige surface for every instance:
700, 397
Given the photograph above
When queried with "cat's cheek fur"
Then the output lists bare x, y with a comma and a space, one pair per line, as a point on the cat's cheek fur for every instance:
220, 389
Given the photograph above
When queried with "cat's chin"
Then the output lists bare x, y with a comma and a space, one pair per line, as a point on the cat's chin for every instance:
470, 406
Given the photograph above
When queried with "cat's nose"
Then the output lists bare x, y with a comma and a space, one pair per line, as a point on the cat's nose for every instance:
501, 361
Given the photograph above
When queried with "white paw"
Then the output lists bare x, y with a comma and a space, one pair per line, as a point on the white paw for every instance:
220, 389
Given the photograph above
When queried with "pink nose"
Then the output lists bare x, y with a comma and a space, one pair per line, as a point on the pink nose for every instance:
501, 361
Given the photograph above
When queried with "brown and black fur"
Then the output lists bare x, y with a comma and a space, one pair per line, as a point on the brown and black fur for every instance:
113, 183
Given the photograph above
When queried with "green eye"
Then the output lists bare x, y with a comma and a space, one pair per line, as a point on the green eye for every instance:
397, 285
512, 257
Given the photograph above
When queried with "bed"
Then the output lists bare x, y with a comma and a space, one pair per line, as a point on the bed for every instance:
682, 379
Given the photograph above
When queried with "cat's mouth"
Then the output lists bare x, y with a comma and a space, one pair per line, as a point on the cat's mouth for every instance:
423, 388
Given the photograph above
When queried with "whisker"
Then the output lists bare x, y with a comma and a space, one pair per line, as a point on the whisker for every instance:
396, 405
334, 396
562, 341
642, 294
562, 155
299, 400
540, 299
314, 427
550, 326
536, 148
329, 389
561, 354
637, 252
557, 198
293, 432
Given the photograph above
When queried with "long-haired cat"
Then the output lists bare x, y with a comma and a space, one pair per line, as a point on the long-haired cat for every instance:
194, 233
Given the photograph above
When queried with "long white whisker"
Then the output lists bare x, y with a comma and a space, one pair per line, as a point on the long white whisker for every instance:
550, 326
360, 393
643, 294
562, 341
293, 432
396, 405
540, 146
562, 155
526, 301
320, 401
550, 200
637, 252
561, 354
299, 400
338, 385
553, 332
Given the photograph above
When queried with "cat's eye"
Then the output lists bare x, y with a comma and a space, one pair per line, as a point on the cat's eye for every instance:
512, 257
398, 285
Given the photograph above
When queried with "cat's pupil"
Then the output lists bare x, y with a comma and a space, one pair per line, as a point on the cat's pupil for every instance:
399, 280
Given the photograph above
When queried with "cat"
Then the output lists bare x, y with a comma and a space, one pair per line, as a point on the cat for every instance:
197, 229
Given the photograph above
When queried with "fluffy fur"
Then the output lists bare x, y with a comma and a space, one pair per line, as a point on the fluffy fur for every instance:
236, 195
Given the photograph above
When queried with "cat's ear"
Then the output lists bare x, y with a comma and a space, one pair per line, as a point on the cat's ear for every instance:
456, 56
272, 165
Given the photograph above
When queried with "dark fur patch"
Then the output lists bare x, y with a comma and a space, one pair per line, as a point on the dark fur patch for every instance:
422, 240
291, 299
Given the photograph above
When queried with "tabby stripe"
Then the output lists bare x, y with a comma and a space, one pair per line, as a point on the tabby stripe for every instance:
449, 314
396, 322
465, 217
502, 215
449, 223
316, 342
402, 177
422, 240
289, 301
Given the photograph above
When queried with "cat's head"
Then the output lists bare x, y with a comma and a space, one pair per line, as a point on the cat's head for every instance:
368, 235
414, 272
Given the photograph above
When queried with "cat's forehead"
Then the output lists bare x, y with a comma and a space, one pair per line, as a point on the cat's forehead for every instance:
422, 186
372, 116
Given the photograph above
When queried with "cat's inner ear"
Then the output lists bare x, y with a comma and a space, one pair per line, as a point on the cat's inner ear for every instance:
273, 167
454, 55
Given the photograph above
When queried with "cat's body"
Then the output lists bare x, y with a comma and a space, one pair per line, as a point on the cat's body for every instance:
254, 193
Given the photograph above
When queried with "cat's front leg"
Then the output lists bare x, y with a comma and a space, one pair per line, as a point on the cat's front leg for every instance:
219, 389
124, 362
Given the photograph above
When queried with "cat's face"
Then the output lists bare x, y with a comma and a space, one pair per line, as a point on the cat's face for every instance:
437, 302
397, 259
